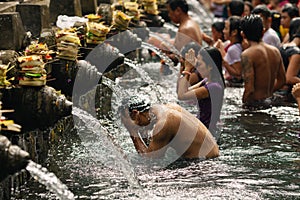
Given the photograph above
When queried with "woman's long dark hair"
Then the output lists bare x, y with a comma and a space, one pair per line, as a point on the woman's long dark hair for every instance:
211, 56
214, 58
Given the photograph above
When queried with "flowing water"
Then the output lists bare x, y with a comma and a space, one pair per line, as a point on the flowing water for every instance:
48, 179
260, 155
158, 52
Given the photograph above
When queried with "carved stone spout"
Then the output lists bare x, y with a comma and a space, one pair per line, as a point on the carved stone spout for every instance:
12, 158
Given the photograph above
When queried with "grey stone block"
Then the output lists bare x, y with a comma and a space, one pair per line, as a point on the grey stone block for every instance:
12, 31
88, 6
64, 7
34, 17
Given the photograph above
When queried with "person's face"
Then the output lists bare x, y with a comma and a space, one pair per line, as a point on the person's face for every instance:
264, 20
247, 11
226, 30
255, 3
215, 34
172, 14
202, 67
285, 20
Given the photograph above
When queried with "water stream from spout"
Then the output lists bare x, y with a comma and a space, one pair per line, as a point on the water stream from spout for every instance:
159, 53
52, 183
102, 147
144, 75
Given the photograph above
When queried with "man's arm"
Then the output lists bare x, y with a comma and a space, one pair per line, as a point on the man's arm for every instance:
280, 79
235, 69
139, 144
158, 142
293, 70
248, 75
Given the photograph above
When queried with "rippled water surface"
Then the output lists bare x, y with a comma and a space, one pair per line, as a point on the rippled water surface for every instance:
260, 158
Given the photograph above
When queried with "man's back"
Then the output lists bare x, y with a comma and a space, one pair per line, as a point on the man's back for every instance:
187, 135
188, 31
267, 67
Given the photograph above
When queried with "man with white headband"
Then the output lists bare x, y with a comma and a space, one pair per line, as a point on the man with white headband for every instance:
173, 126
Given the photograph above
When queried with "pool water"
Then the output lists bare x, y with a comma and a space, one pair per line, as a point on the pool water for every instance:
260, 157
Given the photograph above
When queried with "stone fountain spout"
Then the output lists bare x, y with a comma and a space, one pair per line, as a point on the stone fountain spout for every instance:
12, 158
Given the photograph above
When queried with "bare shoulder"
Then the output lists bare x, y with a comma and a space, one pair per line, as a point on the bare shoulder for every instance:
272, 49
174, 106
248, 54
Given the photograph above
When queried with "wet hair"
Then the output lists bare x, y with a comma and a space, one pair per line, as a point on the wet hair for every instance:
219, 26
252, 26
138, 103
263, 10
294, 30
291, 10
234, 24
178, 3
236, 7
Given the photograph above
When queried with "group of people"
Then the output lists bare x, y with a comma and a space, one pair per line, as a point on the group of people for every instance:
244, 49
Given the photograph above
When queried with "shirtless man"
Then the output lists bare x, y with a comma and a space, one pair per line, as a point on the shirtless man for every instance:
263, 69
188, 29
173, 127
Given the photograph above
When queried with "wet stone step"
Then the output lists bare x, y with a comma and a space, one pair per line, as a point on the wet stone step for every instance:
34, 17
12, 31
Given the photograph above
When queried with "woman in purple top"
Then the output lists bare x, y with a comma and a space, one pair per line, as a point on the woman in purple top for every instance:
208, 92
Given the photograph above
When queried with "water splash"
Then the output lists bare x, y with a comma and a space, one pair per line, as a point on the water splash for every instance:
144, 75
162, 55
52, 183
117, 89
102, 147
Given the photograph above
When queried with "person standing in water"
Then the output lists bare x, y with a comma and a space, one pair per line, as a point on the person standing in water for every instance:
263, 70
208, 92
290, 53
232, 52
172, 126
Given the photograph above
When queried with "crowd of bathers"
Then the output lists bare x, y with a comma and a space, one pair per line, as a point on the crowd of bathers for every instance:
255, 45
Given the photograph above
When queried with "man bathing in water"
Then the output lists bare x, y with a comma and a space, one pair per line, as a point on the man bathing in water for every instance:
262, 65
188, 30
173, 126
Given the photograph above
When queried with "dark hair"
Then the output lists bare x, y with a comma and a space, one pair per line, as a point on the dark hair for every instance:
219, 26
178, 3
236, 7
234, 24
291, 10
138, 103
216, 57
211, 56
248, 3
294, 30
252, 26
263, 10
276, 17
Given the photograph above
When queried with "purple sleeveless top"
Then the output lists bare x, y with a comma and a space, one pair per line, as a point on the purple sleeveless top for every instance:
210, 108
